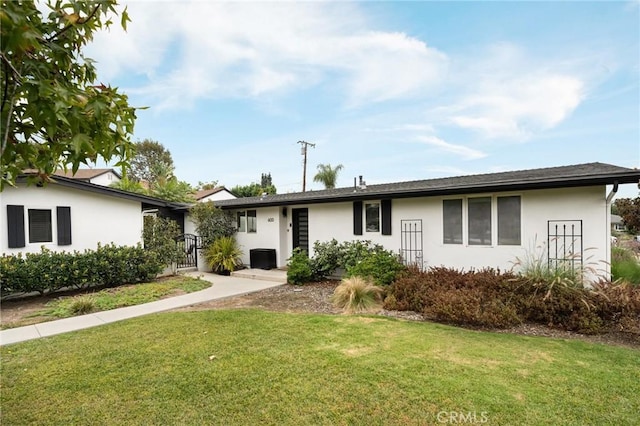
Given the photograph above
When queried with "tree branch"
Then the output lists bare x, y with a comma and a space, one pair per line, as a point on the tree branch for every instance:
68, 26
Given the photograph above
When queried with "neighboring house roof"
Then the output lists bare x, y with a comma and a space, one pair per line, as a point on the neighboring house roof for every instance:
207, 192
107, 191
544, 178
86, 174
615, 219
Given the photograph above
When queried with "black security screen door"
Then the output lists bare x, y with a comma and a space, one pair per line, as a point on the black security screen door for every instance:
301, 229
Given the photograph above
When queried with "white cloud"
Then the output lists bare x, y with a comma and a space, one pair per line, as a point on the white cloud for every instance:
460, 150
192, 50
503, 93
517, 107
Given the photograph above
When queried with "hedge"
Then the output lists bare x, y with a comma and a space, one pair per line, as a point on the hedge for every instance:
49, 271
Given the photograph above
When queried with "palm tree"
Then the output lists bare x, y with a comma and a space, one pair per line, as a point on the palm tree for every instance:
327, 175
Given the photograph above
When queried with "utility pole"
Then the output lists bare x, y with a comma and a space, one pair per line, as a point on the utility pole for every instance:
305, 145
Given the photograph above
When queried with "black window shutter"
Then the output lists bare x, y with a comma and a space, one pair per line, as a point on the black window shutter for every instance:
386, 217
63, 215
357, 218
15, 226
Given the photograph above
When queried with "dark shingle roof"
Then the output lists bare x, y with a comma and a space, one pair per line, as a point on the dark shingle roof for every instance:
552, 177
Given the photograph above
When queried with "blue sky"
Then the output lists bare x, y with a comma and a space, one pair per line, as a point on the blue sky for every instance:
393, 91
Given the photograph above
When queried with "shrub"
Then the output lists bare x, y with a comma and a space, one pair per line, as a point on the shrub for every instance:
354, 252
82, 305
625, 265
356, 258
223, 255
382, 267
355, 294
535, 267
299, 268
159, 235
211, 222
327, 257
466, 298
618, 305
489, 298
49, 271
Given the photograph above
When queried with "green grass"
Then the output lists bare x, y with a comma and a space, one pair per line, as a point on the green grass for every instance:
625, 265
120, 297
275, 368
112, 298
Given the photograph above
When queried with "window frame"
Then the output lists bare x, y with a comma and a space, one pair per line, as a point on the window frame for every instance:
479, 235
495, 223
499, 228
32, 228
241, 221
252, 225
375, 229
444, 222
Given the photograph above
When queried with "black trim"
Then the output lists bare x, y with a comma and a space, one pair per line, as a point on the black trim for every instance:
63, 217
15, 226
357, 218
385, 211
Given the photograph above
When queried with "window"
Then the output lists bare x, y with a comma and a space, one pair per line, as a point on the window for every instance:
40, 226
479, 212
372, 217
509, 221
452, 219
252, 221
247, 221
242, 221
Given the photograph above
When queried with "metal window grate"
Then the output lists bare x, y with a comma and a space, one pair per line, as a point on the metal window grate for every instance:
411, 242
564, 244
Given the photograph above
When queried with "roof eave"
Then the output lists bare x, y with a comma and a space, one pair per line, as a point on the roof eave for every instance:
105, 190
357, 195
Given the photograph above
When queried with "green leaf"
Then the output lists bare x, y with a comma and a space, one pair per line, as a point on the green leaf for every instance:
79, 142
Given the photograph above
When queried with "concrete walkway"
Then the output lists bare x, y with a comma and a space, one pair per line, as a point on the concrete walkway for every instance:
222, 287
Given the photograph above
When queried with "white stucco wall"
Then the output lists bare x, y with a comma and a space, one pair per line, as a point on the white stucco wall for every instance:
335, 220
267, 235
94, 217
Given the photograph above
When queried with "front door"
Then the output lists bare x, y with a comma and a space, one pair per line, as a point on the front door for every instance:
301, 229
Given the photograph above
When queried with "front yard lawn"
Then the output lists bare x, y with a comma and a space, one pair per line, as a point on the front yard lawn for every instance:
254, 367
33, 310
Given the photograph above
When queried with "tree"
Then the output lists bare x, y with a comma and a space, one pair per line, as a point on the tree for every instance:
251, 190
327, 175
629, 210
53, 112
159, 236
206, 185
151, 160
255, 190
126, 184
172, 189
265, 180
211, 222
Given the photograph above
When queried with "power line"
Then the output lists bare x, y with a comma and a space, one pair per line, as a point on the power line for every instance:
305, 145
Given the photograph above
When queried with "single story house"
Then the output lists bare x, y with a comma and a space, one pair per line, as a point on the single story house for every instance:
70, 214
487, 220
617, 224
